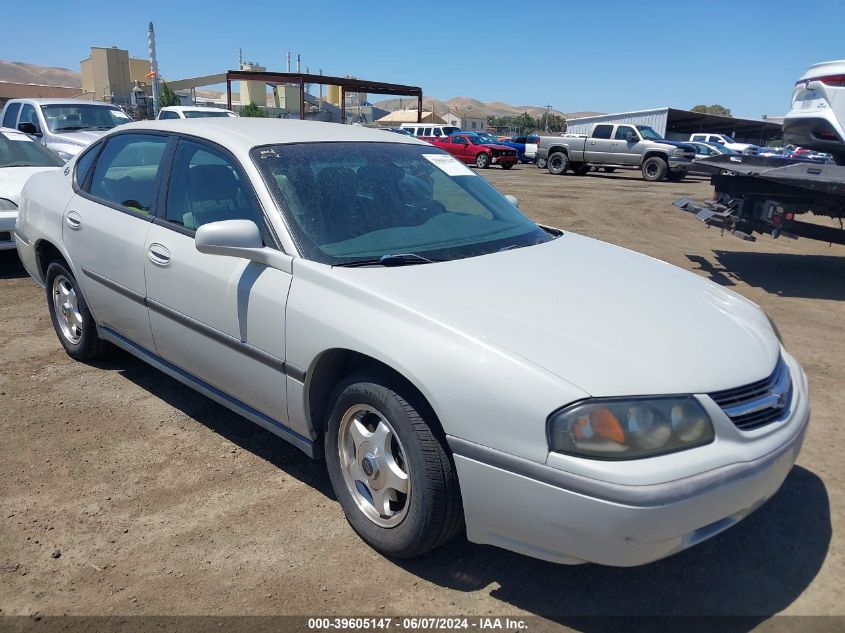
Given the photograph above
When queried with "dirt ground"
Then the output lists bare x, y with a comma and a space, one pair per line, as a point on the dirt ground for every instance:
158, 501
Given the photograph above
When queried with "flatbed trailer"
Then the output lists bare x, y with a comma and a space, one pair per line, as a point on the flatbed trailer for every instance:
758, 194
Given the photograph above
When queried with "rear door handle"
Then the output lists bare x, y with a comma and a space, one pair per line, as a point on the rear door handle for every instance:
73, 220
159, 254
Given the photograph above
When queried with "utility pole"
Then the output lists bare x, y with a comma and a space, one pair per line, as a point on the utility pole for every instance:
151, 40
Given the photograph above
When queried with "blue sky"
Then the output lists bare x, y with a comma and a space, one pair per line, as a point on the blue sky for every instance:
606, 56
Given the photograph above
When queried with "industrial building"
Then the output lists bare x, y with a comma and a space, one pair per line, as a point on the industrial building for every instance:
111, 75
466, 122
677, 125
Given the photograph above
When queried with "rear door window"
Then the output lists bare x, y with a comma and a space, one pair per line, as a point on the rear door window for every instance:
126, 171
602, 131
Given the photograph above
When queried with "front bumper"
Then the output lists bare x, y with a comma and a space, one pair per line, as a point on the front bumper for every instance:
504, 160
546, 513
7, 230
679, 164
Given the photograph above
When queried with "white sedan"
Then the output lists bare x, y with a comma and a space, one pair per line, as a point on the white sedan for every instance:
376, 303
20, 158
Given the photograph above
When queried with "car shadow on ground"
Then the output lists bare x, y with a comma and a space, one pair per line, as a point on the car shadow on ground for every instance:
10, 266
756, 568
220, 420
782, 274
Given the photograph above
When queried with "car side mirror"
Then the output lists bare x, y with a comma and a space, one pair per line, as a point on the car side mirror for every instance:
28, 128
513, 200
239, 238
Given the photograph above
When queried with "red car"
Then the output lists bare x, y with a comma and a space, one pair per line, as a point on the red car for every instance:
471, 150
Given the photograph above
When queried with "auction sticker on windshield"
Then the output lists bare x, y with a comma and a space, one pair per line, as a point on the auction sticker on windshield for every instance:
449, 165
16, 137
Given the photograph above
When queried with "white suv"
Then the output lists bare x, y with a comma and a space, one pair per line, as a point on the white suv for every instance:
727, 141
818, 110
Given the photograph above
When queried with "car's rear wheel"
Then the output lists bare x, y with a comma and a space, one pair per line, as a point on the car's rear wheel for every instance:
654, 169
482, 161
70, 315
609, 170
541, 163
390, 470
558, 163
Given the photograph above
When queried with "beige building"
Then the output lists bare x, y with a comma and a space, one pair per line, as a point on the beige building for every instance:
109, 74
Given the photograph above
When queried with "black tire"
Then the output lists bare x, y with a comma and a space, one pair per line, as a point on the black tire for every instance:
482, 161
507, 165
540, 162
839, 158
654, 169
80, 343
579, 169
557, 163
676, 176
434, 513
609, 170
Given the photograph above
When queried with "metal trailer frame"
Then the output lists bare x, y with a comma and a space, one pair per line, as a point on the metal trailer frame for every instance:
346, 84
764, 194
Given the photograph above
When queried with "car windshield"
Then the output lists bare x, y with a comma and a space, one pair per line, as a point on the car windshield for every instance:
18, 150
648, 133
487, 138
723, 149
73, 118
727, 139
204, 114
354, 202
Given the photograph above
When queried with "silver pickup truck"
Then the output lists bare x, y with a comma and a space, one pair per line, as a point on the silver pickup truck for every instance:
613, 146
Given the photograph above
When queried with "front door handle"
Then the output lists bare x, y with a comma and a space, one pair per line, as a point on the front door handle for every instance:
73, 220
159, 254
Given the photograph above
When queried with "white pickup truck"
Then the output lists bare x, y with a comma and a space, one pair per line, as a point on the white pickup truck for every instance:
613, 146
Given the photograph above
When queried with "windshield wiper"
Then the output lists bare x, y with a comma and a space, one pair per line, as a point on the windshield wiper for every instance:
401, 259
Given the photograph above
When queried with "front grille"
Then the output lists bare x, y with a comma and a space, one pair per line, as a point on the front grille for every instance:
760, 403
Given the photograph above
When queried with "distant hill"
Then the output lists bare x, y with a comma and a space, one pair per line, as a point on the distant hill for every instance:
22, 73
468, 105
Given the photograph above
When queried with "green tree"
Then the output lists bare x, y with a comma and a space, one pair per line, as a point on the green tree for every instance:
551, 123
716, 109
166, 97
253, 110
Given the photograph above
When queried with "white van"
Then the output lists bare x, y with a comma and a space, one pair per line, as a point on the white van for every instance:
428, 131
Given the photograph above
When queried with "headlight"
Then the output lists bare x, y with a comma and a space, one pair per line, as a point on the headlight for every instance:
630, 428
7, 205
679, 152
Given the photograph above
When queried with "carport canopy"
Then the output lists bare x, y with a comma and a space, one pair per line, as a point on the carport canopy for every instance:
745, 130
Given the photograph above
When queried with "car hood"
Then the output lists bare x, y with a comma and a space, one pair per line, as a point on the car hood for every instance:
680, 144
12, 180
605, 319
83, 138
497, 146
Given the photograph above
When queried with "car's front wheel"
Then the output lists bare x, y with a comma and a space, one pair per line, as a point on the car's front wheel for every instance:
390, 470
654, 169
71, 317
507, 165
482, 161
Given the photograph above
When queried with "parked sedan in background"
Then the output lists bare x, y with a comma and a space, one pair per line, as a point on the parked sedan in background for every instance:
474, 149
20, 158
369, 298
65, 126
194, 112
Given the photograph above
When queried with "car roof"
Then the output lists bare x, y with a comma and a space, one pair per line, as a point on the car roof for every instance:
244, 133
58, 101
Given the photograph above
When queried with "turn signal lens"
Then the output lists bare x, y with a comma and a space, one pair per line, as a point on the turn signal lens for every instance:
629, 428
